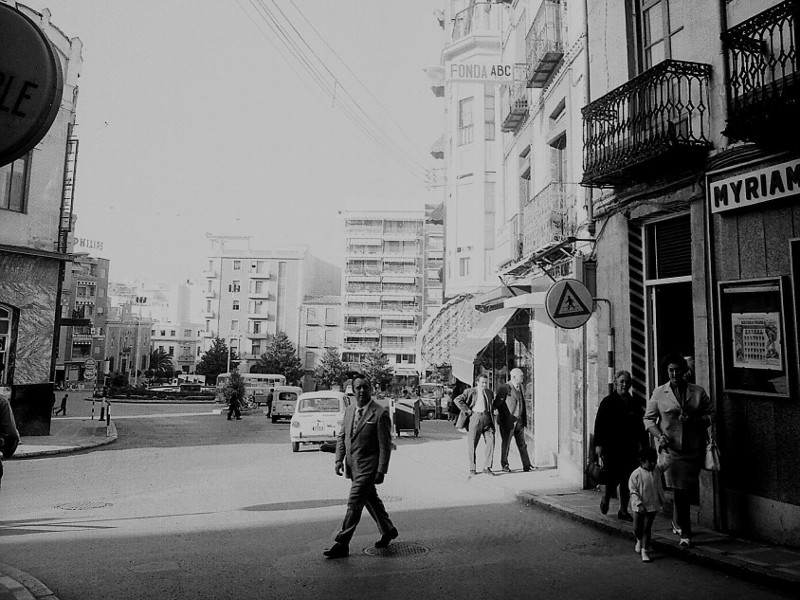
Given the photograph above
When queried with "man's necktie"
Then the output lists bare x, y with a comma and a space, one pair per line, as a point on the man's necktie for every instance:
359, 414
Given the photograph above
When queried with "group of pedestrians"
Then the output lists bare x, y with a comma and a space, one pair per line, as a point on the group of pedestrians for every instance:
676, 417
482, 412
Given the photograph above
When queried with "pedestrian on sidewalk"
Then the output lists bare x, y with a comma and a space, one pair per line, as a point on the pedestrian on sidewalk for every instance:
619, 435
647, 496
233, 410
678, 416
363, 449
512, 417
476, 415
269, 403
63, 409
9, 436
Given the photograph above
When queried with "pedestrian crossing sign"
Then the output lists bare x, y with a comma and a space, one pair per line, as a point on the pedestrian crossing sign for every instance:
569, 303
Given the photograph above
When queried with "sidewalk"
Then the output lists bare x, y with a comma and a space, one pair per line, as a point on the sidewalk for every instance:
67, 434
775, 566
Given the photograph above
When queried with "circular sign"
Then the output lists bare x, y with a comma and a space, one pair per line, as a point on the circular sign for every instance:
569, 303
90, 363
89, 374
31, 84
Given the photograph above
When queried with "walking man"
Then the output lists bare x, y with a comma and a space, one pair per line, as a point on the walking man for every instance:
9, 436
509, 406
362, 454
476, 413
63, 408
234, 408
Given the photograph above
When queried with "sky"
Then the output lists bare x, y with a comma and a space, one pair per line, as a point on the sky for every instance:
194, 118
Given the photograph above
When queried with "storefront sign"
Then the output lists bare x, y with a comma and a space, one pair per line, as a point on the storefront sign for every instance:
31, 84
480, 72
754, 187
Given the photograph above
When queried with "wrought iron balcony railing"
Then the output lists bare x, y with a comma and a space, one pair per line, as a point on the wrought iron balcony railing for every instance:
543, 44
517, 96
763, 91
664, 112
481, 18
549, 217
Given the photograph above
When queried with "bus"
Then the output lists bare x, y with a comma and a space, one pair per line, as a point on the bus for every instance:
255, 384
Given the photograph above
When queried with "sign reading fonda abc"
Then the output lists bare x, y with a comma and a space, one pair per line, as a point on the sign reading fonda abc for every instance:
31, 84
480, 72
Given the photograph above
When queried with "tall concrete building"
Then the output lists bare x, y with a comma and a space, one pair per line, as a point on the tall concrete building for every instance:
252, 294
387, 289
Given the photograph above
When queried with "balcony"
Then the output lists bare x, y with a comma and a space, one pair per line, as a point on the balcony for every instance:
258, 294
209, 294
543, 44
549, 217
763, 91
260, 335
481, 18
209, 314
259, 275
653, 125
517, 95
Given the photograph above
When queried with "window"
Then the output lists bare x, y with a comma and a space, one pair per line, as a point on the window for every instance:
161, 348
257, 286
208, 325
235, 305
153, 332
559, 147
172, 333
256, 326
310, 360
235, 286
163, 333
234, 325
312, 339
489, 125
171, 351
330, 316
311, 316
257, 266
237, 265
208, 310
659, 29
257, 307
465, 121
463, 267
210, 286
13, 180
255, 348
187, 333
330, 338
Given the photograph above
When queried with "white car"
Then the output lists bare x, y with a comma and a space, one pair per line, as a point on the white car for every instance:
317, 418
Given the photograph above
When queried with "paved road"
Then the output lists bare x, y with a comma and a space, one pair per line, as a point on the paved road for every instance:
201, 507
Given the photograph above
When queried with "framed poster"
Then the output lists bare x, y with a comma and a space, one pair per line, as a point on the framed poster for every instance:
754, 340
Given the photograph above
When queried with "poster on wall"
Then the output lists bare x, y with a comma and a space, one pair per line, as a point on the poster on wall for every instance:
757, 341
753, 321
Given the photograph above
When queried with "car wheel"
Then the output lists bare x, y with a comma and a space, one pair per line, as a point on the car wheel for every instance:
274, 419
431, 415
295, 446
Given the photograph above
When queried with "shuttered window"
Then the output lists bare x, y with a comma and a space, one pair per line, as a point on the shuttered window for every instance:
669, 245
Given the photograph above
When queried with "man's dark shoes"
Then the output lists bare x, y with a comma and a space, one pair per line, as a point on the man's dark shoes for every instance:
337, 551
386, 538
625, 516
506, 469
529, 468
604, 506
488, 471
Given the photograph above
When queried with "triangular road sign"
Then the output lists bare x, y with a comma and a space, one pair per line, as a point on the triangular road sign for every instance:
570, 305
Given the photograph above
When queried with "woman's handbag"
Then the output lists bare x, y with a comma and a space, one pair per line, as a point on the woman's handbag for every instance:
712, 455
595, 474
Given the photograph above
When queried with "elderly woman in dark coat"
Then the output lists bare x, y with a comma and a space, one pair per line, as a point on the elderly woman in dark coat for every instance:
618, 436
678, 416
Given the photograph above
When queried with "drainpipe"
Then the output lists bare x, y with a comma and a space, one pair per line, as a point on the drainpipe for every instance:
588, 190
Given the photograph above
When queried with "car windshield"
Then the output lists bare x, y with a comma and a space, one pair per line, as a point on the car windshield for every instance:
290, 396
319, 405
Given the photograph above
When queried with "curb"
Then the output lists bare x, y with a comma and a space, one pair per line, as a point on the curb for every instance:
28, 585
111, 436
698, 556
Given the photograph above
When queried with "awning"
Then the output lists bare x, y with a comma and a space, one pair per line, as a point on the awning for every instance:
462, 358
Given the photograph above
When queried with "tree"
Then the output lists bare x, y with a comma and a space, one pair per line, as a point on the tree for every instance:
376, 368
280, 358
331, 370
215, 361
161, 363
234, 388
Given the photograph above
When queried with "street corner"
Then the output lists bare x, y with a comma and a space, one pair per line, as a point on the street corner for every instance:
19, 585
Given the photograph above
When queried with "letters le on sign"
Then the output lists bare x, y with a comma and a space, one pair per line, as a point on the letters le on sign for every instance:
31, 84
479, 72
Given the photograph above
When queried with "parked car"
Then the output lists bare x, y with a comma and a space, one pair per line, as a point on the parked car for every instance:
318, 418
430, 395
284, 398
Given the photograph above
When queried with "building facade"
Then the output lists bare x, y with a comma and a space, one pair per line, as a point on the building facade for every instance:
127, 340
84, 296
320, 330
252, 294
35, 219
181, 341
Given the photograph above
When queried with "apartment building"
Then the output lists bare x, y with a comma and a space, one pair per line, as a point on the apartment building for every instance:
320, 329
36, 194
85, 297
127, 342
391, 283
251, 294
180, 340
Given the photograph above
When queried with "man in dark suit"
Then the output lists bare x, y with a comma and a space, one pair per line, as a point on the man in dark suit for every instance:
362, 453
476, 413
509, 406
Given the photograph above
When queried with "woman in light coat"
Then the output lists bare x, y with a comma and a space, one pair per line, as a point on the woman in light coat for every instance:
678, 416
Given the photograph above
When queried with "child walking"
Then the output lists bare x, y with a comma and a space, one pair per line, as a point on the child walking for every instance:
647, 496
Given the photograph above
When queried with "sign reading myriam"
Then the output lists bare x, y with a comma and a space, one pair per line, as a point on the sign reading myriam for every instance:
479, 72
754, 187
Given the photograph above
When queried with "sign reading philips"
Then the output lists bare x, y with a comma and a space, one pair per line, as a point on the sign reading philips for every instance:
754, 187
480, 72
31, 84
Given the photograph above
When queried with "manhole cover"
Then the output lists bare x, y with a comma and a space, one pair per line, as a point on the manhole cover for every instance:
400, 549
83, 505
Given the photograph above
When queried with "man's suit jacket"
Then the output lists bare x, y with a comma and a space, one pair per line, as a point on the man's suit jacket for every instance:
366, 449
663, 412
504, 417
466, 401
